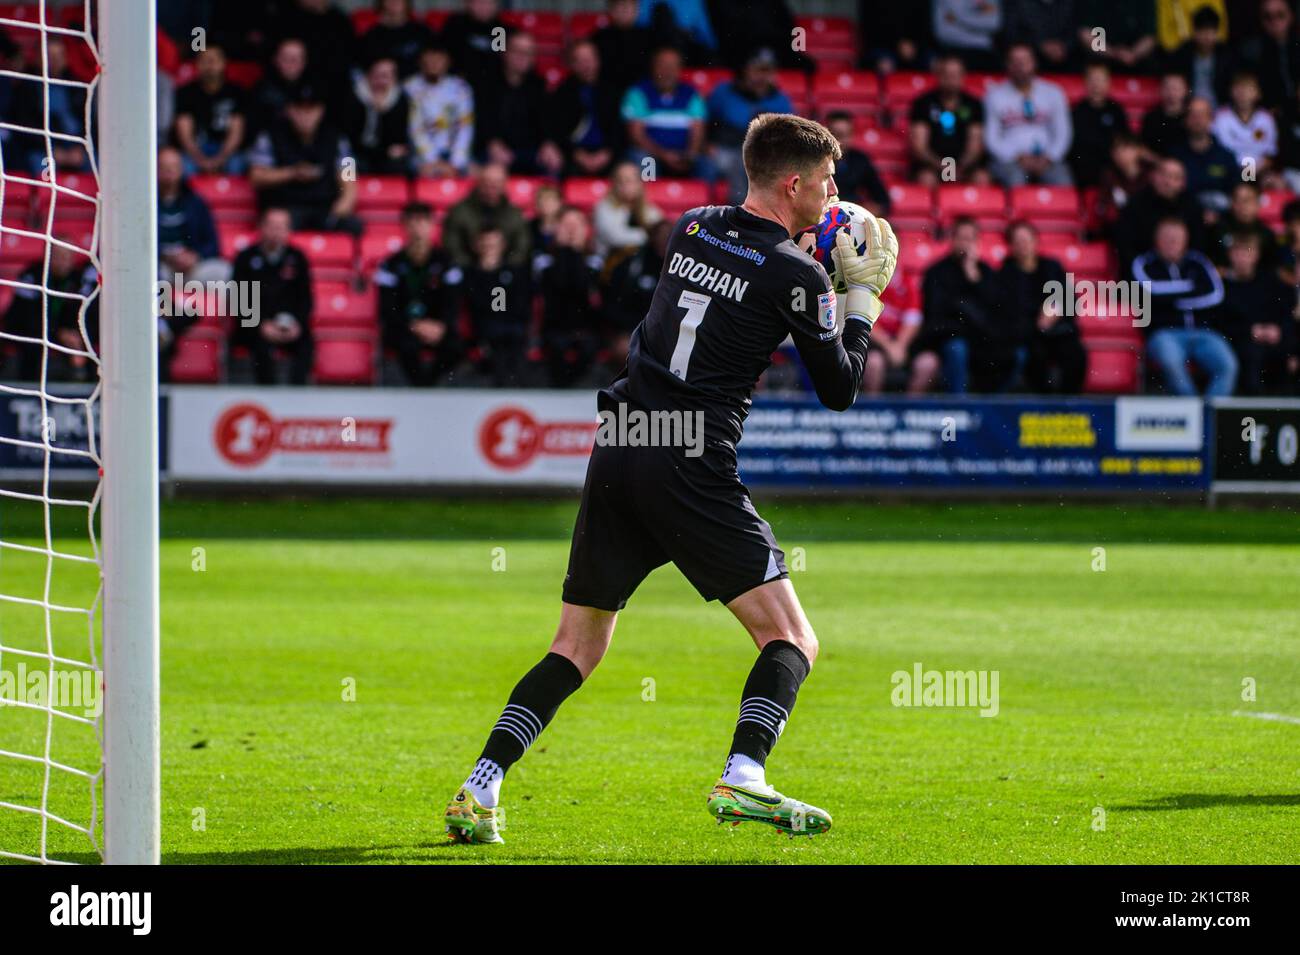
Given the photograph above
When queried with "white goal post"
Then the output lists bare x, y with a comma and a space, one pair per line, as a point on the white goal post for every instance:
129, 429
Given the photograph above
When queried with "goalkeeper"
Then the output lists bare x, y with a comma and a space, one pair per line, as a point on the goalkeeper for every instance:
733, 286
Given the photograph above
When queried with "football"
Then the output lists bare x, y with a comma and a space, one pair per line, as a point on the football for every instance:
820, 239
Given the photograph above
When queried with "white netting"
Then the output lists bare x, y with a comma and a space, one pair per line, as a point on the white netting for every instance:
51, 583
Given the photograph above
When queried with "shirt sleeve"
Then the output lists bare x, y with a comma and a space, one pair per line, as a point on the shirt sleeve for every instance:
834, 361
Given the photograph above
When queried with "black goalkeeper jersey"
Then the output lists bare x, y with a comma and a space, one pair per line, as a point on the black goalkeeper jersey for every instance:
733, 286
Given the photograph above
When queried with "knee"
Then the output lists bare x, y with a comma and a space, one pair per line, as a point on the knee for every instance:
801, 636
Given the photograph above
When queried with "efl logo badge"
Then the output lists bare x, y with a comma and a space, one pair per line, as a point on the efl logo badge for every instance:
826, 310
694, 227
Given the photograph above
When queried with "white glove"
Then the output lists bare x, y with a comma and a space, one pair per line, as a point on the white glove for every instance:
866, 276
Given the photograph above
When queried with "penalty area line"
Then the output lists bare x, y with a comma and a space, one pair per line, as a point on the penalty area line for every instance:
1271, 717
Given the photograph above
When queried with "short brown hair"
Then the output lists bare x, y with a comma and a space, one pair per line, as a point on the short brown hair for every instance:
777, 144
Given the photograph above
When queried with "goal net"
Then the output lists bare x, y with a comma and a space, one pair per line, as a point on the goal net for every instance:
78, 434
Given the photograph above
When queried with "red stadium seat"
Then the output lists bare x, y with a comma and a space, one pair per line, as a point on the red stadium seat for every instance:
363, 19
380, 241
902, 88
794, 83
437, 19
985, 204
326, 249
224, 192
1050, 208
1090, 260
1071, 83
380, 198
993, 248
977, 84
234, 239
522, 191
706, 79
830, 39
911, 207
1112, 369
339, 305
883, 144
1142, 92
552, 70
675, 196
1271, 205
584, 192
442, 194
198, 358
20, 249
345, 358
584, 24
854, 90
918, 252
547, 27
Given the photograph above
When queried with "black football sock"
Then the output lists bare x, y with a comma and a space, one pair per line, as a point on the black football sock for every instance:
532, 705
768, 699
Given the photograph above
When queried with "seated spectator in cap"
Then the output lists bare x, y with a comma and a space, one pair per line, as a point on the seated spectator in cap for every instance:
623, 45
211, 118
891, 341
968, 29
282, 325
487, 207
584, 115
946, 128
1164, 126
1258, 318
1185, 294
1097, 119
377, 122
1246, 128
731, 107
497, 298
414, 308
624, 215
855, 174
1165, 196
1204, 62
1127, 37
566, 278
473, 37
1211, 169
53, 321
665, 121
1056, 360
1121, 179
442, 115
961, 300
632, 287
299, 168
278, 85
511, 114
397, 35
1242, 218
1027, 125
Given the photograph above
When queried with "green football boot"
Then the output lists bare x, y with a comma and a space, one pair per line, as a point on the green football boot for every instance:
735, 805
469, 821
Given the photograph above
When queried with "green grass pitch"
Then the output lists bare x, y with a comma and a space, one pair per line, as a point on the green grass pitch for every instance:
1122, 734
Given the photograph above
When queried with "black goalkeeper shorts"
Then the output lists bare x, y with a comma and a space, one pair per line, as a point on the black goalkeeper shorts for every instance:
643, 507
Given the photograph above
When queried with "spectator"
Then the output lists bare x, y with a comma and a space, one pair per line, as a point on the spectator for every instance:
566, 279
1246, 128
377, 122
548, 203
756, 25
442, 115
46, 309
285, 304
280, 85
1289, 254
1096, 119
624, 46
1120, 181
1056, 361
1045, 25
187, 235
632, 286
1120, 32
476, 38
495, 294
397, 35
683, 24
211, 118
487, 208
1174, 20
899, 36
733, 105
961, 302
414, 314
1165, 197
1164, 125
891, 340
855, 174
300, 169
1275, 53
1204, 62
624, 215
326, 31
1028, 129
512, 114
67, 116
1211, 169
1185, 293
968, 29
947, 127
1288, 128
1242, 218
585, 120
665, 120
1259, 321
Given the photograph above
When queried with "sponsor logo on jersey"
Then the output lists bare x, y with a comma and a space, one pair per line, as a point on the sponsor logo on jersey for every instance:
694, 227
706, 276
826, 310
731, 248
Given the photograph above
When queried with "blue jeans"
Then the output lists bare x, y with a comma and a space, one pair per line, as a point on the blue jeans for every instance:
1171, 348
955, 355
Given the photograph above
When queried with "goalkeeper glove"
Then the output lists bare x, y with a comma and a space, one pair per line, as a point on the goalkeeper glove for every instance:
866, 276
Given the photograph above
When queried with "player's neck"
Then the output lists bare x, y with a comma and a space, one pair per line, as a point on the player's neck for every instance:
757, 207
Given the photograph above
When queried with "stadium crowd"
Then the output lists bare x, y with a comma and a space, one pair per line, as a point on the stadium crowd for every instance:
483, 196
